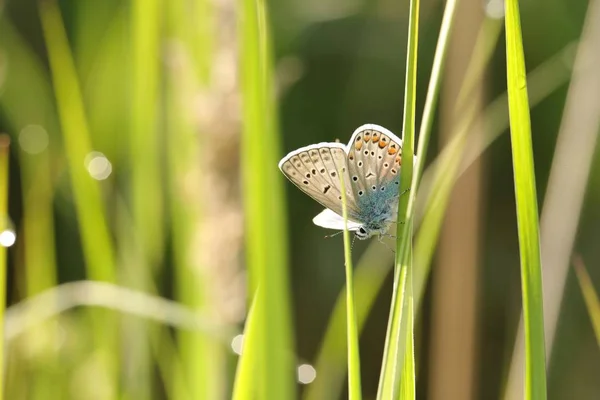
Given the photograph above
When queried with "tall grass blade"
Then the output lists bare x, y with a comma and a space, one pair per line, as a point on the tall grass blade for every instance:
144, 146
4, 157
589, 295
354, 386
264, 207
527, 210
396, 348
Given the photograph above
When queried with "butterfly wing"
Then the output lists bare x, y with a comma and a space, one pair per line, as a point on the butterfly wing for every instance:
329, 219
316, 171
374, 160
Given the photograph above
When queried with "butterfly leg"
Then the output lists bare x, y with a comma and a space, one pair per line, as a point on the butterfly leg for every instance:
379, 238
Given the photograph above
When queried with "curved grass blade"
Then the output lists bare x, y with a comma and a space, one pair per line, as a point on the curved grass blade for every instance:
527, 210
354, 386
244, 387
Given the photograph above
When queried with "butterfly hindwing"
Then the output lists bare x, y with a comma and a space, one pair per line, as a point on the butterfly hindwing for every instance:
316, 171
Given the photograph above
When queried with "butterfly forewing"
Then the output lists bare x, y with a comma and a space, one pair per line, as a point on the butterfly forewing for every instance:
374, 159
316, 171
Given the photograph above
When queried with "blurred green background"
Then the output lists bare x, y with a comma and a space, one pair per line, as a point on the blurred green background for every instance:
125, 120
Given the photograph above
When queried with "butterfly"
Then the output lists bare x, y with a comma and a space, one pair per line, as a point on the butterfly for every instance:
370, 167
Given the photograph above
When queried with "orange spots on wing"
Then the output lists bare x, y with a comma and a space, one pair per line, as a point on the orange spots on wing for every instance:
399, 159
367, 136
375, 137
383, 142
358, 143
392, 150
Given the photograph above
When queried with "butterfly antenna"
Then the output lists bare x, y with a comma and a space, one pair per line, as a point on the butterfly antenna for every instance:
333, 234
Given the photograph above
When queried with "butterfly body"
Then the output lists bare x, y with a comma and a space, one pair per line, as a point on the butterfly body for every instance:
369, 166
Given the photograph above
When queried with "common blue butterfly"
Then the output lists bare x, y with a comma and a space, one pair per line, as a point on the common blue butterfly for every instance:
370, 166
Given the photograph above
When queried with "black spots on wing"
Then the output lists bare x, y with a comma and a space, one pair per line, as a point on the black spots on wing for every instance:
374, 187
370, 175
305, 182
333, 174
322, 170
308, 176
314, 171
366, 152
298, 165
380, 157
293, 173
383, 188
339, 197
386, 165
372, 154
323, 151
351, 157
314, 153
397, 182
343, 169
360, 164
394, 171
358, 138
326, 188
355, 178
360, 192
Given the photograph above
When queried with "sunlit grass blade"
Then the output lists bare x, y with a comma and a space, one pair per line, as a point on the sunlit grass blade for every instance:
4, 157
244, 385
395, 368
265, 206
527, 210
589, 295
354, 385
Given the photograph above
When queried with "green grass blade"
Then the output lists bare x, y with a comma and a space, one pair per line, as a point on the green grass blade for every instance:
98, 249
354, 386
244, 386
144, 146
264, 207
589, 295
527, 210
4, 157
395, 346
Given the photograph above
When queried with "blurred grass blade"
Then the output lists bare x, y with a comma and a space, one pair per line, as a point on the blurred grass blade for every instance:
396, 348
527, 210
4, 157
144, 146
589, 295
98, 249
264, 207
354, 385
244, 385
